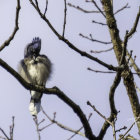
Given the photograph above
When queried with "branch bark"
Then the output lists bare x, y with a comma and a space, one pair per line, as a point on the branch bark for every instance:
7, 42
117, 44
58, 93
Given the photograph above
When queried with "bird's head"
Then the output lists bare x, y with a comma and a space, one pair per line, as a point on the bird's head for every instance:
33, 48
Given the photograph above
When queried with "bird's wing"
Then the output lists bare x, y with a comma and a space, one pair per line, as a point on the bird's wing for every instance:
47, 63
22, 69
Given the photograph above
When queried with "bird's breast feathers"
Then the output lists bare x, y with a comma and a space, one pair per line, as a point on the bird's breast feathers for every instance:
38, 71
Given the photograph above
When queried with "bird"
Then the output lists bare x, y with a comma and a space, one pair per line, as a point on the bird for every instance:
35, 69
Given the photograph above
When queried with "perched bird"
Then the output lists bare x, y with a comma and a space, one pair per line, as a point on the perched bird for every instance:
36, 69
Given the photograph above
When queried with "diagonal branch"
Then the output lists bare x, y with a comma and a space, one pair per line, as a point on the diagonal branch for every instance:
112, 106
94, 40
4, 134
61, 125
136, 68
72, 46
81, 9
133, 30
102, 51
119, 10
46, 8
93, 1
53, 91
7, 42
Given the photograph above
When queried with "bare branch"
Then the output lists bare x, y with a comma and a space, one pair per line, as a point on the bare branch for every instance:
72, 46
133, 30
93, 21
124, 47
92, 106
37, 127
98, 71
98, 8
65, 15
123, 128
81, 9
121, 9
79, 128
53, 91
102, 51
12, 128
61, 125
7, 42
4, 134
112, 107
46, 7
94, 40
136, 68
138, 119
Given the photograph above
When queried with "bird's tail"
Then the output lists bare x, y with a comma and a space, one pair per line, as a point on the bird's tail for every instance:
35, 103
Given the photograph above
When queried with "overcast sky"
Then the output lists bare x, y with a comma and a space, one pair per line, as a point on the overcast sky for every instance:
70, 72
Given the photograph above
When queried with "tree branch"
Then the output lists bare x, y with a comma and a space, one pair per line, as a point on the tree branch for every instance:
72, 46
4, 134
117, 44
102, 51
81, 9
7, 42
53, 91
121, 9
93, 1
103, 24
61, 125
65, 15
112, 106
129, 128
94, 40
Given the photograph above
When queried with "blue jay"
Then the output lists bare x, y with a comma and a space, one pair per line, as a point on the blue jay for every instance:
35, 69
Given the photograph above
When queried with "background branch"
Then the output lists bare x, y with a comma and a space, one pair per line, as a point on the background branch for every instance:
7, 42
54, 91
81, 9
65, 15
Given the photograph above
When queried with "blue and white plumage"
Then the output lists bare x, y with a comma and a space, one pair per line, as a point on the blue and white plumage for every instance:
35, 69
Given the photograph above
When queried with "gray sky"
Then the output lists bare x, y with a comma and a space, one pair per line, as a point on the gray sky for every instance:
70, 72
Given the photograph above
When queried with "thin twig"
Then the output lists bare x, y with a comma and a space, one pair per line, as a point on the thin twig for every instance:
7, 42
123, 128
98, 8
40, 129
81, 9
79, 128
12, 128
136, 68
65, 15
102, 51
119, 10
46, 8
124, 48
133, 30
4, 134
100, 23
94, 40
72, 46
138, 119
37, 127
98, 71
100, 114
61, 125
114, 112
